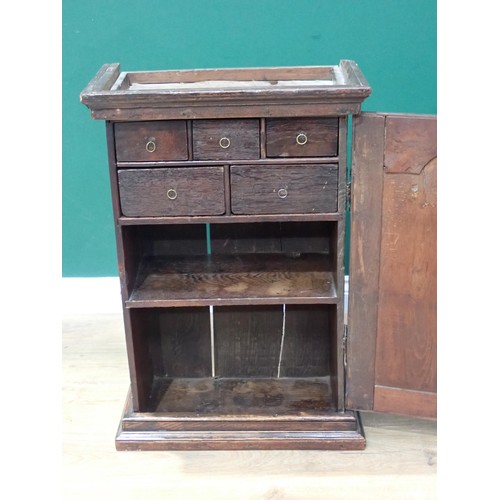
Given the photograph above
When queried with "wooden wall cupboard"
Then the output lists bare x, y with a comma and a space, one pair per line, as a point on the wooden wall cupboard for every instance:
230, 191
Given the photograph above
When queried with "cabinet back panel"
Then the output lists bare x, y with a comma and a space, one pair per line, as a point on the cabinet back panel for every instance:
306, 344
271, 237
162, 240
185, 342
247, 341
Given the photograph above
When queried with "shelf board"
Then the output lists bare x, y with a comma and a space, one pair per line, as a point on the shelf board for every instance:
246, 279
201, 163
243, 400
229, 219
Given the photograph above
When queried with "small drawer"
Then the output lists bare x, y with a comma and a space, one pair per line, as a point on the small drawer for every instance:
151, 141
302, 137
148, 192
262, 189
226, 139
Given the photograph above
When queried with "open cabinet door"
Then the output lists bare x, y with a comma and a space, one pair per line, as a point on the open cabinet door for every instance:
391, 339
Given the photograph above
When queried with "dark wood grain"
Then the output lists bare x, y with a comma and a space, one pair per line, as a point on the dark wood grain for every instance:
315, 105
409, 144
407, 299
243, 440
309, 429
172, 342
337, 96
207, 162
128, 256
247, 341
306, 343
242, 238
271, 74
230, 219
248, 396
366, 219
139, 325
241, 137
270, 271
234, 279
220, 418
403, 281
171, 239
151, 141
185, 342
290, 189
337, 251
145, 192
159, 241
405, 402
292, 238
213, 422
300, 137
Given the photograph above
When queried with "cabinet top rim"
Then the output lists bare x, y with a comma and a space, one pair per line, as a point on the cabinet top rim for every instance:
112, 90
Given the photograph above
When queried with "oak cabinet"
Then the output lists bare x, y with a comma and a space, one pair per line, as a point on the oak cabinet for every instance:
230, 192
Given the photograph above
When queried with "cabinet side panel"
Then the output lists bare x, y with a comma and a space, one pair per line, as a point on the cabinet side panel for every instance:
366, 218
141, 372
139, 326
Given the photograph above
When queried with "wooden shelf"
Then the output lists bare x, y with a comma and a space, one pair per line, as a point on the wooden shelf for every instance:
229, 219
202, 163
227, 413
244, 400
244, 279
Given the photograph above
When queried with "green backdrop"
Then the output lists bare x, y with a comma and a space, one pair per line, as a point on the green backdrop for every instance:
393, 41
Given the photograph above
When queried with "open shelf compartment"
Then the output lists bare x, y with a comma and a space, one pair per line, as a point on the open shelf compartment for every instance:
268, 263
232, 279
237, 377
237, 360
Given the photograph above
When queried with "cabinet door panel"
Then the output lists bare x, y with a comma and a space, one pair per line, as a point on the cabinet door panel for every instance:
391, 351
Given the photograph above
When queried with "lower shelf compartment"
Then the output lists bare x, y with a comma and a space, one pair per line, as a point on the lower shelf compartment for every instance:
229, 413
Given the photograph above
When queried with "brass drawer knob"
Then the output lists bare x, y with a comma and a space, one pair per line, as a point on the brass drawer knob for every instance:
151, 145
224, 142
301, 139
282, 193
171, 194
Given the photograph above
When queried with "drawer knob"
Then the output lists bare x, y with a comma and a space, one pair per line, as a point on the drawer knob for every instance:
224, 142
151, 145
171, 194
282, 193
301, 139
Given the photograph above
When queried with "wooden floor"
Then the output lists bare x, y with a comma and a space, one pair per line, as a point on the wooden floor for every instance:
398, 463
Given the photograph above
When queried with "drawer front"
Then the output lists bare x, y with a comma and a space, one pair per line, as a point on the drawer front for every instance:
226, 139
159, 192
302, 137
284, 189
151, 141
